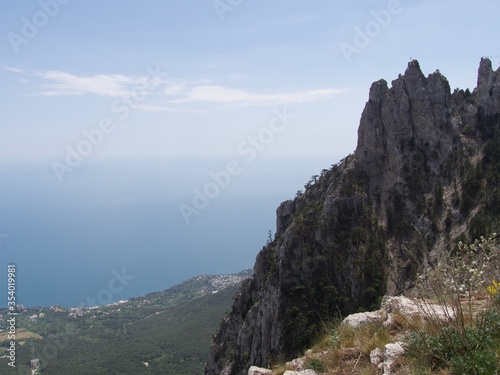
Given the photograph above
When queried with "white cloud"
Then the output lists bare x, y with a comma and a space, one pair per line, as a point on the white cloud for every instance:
163, 108
173, 96
11, 69
108, 85
175, 88
225, 95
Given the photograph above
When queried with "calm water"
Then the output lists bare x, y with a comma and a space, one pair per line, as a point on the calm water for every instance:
70, 240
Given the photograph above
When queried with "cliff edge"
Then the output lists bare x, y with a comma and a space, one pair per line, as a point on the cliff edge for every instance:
425, 173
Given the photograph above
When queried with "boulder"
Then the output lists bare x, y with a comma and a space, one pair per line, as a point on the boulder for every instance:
359, 319
391, 353
254, 370
376, 356
409, 307
303, 372
297, 364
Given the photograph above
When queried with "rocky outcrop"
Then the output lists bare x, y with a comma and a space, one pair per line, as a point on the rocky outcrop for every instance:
303, 372
254, 370
424, 173
406, 307
385, 359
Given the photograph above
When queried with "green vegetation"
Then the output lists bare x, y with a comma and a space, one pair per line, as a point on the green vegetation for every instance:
468, 342
167, 332
471, 351
317, 365
346, 269
481, 184
461, 337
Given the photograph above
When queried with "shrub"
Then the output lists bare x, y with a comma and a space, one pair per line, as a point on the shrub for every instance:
468, 352
467, 339
494, 288
458, 278
478, 362
316, 365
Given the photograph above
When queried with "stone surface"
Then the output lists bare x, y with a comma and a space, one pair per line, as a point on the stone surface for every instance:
303, 372
385, 359
411, 307
359, 319
297, 364
254, 370
391, 353
376, 356
402, 305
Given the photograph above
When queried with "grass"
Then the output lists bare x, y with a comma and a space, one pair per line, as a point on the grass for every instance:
432, 348
341, 347
460, 337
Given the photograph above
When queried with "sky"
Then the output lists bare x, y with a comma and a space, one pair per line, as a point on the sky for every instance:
215, 110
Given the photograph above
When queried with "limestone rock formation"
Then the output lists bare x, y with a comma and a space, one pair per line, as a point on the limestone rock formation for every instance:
424, 174
259, 371
404, 306
303, 372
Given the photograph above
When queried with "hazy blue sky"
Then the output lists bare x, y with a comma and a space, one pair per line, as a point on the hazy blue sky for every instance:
222, 76
115, 112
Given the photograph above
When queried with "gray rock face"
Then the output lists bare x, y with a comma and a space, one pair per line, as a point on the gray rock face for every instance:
398, 124
487, 94
368, 225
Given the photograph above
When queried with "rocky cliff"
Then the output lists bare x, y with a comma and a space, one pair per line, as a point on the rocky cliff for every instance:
425, 173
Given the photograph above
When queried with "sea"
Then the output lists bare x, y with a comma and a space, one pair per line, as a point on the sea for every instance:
114, 229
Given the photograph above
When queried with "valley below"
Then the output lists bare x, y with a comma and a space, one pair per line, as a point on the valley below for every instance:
166, 332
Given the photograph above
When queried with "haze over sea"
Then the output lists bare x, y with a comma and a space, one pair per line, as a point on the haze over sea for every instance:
68, 238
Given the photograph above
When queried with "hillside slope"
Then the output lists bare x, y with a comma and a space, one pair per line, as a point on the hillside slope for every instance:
164, 332
425, 174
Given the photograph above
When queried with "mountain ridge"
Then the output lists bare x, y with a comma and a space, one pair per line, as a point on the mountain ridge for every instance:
424, 175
